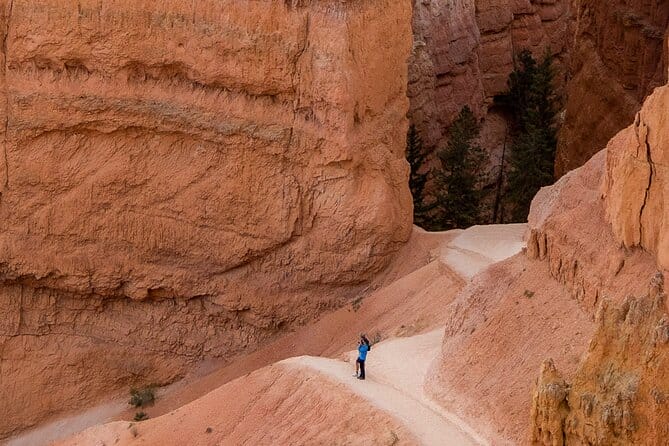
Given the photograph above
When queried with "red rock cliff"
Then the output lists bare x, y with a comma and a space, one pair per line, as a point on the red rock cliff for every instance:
609, 58
180, 180
617, 58
463, 55
636, 185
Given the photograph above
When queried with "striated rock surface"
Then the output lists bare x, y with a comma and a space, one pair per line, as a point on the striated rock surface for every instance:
636, 186
617, 58
180, 180
463, 55
619, 394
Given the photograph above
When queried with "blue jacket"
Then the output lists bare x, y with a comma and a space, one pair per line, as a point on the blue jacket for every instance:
362, 351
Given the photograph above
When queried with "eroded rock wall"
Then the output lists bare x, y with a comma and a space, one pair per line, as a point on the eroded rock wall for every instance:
619, 394
617, 58
636, 186
463, 55
609, 56
180, 180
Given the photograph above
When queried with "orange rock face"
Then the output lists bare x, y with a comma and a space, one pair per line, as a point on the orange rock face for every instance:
636, 186
617, 58
180, 180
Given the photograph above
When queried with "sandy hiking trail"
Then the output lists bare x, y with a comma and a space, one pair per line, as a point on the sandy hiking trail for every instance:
396, 373
478, 247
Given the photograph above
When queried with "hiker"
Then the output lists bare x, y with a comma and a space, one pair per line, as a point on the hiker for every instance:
363, 347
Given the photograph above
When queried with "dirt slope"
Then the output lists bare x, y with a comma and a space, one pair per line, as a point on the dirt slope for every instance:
397, 369
311, 390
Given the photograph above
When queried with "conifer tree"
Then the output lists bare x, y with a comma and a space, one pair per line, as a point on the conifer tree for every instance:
419, 176
461, 176
531, 101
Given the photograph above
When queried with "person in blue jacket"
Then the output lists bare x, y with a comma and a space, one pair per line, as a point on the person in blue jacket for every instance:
363, 347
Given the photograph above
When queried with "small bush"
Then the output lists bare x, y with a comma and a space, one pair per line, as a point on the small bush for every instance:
141, 416
529, 294
142, 397
653, 32
357, 302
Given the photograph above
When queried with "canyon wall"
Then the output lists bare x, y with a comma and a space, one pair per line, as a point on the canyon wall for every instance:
463, 55
609, 56
182, 180
616, 59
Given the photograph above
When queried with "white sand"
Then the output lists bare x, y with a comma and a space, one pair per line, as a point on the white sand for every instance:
396, 372
478, 247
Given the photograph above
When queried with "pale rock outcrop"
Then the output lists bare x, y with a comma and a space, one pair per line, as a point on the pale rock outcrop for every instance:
636, 185
180, 180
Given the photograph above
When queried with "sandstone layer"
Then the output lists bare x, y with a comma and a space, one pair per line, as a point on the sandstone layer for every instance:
182, 180
616, 59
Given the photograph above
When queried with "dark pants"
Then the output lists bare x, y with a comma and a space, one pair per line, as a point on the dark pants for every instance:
362, 368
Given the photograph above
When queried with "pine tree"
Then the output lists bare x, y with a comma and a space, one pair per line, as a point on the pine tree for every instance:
531, 169
531, 102
461, 176
418, 178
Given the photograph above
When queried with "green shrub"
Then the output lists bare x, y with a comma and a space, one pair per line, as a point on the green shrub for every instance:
142, 397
